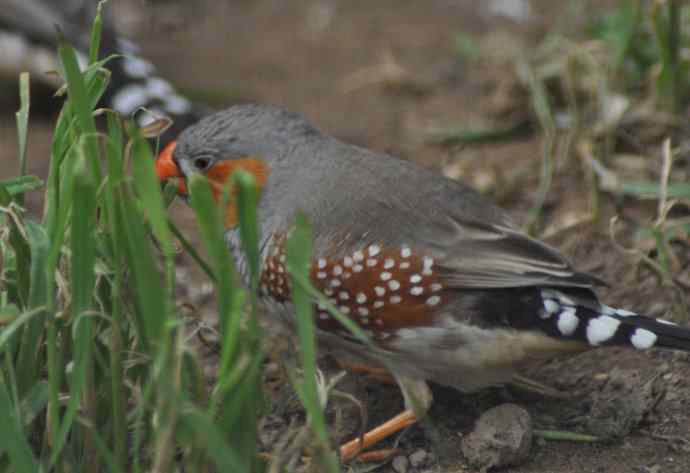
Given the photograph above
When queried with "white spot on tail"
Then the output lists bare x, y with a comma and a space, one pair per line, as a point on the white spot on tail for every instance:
625, 313
568, 321
601, 329
137, 68
551, 306
643, 339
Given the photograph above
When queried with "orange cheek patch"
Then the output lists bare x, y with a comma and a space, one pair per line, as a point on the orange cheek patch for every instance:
222, 171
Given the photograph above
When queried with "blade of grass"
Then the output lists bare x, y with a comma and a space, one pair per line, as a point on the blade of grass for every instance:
299, 264
13, 435
23, 122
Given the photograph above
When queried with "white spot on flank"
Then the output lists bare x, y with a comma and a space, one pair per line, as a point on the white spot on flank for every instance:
380, 291
357, 268
363, 311
372, 262
344, 309
394, 285
417, 291
405, 252
321, 275
378, 304
347, 261
433, 300
551, 306
568, 321
328, 291
385, 276
323, 315
337, 270
388, 263
428, 262
415, 278
322, 263
435, 287
404, 265
344, 296
643, 339
601, 329
335, 282
361, 297
374, 250
395, 299
358, 256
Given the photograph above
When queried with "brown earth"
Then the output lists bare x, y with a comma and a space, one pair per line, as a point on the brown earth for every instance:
382, 74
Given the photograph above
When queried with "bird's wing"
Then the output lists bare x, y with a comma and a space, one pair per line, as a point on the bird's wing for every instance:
481, 255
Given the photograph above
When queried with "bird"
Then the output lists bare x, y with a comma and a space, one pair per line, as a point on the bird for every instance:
442, 281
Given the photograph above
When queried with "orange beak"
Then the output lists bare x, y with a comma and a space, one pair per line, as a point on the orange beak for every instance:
166, 168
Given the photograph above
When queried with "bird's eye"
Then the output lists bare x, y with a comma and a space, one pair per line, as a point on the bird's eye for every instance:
202, 163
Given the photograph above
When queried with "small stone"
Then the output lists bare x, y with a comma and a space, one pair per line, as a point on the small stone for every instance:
502, 437
400, 464
418, 458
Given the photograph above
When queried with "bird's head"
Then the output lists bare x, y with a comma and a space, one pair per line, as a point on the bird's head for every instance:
248, 138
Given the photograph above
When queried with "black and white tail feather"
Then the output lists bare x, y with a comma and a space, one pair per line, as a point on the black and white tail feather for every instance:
28, 42
576, 318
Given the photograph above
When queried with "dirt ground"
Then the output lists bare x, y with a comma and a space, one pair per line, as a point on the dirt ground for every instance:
382, 74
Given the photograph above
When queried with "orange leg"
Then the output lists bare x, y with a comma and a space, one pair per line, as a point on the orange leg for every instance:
374, 436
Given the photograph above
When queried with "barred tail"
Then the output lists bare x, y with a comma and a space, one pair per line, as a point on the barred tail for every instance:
569, 317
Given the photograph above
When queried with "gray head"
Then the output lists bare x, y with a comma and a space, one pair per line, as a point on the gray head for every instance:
240, 132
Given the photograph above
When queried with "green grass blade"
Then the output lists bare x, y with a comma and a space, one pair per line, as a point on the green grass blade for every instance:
13, 435
23, 120
299, 263
29, 362
20, 185
96, 33
211, 228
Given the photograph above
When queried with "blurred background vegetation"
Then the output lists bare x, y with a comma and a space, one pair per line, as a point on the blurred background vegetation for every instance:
117, 353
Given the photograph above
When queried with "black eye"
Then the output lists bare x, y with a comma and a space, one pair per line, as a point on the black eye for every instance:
202, 163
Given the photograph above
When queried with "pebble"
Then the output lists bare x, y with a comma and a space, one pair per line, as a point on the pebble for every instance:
401, 464
502, 437
418, 458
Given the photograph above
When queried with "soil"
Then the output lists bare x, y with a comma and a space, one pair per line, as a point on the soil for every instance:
382, 74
